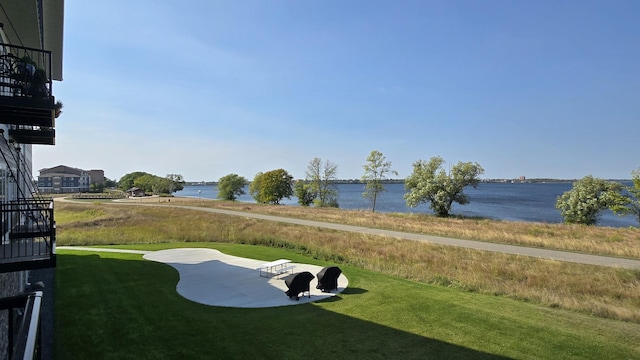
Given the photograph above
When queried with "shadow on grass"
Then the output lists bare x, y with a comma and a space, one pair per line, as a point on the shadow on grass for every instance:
126, 307
353, 291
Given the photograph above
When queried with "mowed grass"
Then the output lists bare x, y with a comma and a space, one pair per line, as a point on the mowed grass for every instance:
600, 291
119, 306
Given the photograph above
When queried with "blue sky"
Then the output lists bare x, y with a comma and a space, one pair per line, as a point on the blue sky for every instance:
209, 88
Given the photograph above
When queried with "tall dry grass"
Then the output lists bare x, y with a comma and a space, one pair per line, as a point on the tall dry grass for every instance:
601, 291
622, 242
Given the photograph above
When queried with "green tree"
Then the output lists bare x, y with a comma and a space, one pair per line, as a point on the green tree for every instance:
271, 187
163, 185
147, 182
321, 177
96, 188
586, 200
110, 183
375, 171
151, 183
303, 192
430, 183
176, 183
127, 182
255, 185
231, 186
632, 205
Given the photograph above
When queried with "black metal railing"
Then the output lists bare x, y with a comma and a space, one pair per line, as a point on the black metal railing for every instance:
24, 341
26, 98
28, 234
37, 135
25, 72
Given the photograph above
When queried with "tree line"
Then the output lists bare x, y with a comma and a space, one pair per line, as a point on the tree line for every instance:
151, 184
429, 183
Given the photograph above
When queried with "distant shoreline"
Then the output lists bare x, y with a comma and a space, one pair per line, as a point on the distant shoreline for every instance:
401, 181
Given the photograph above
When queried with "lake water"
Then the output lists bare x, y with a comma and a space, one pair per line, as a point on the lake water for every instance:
533, 202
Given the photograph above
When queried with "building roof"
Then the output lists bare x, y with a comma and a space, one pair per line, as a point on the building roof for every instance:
59, 174
62, 169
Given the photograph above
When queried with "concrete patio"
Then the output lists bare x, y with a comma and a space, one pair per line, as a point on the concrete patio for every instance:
210, 277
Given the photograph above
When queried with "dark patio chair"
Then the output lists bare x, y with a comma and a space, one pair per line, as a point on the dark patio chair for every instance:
328, 278
298, 283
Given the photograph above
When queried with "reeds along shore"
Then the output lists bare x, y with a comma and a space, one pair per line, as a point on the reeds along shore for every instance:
606, 292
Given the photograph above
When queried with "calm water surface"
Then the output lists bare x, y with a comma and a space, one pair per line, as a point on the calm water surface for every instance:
533, 202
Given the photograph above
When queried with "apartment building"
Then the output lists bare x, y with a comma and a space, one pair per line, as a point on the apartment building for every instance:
31, 34
64, 179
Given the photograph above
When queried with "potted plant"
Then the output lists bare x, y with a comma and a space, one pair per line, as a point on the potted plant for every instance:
57, 107
34, 78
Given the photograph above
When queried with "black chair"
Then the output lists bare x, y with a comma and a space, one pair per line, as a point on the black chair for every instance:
328, 278
298, 283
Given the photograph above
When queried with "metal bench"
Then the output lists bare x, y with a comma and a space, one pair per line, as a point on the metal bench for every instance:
275, 268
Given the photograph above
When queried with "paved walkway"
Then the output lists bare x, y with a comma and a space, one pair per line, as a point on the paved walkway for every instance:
470, 244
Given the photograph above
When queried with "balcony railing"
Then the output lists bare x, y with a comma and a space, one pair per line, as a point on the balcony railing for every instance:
25, 72
37, 135
26, 98
23, 334
28, 235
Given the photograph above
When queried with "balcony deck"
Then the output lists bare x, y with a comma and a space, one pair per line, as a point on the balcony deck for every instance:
26, 98
33, 135
26, 254
27, 111
27, 241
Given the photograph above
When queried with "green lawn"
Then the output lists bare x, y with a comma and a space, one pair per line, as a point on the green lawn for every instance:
119, 306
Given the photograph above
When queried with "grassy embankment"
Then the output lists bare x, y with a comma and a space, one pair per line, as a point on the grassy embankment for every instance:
604, 292
119, 306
